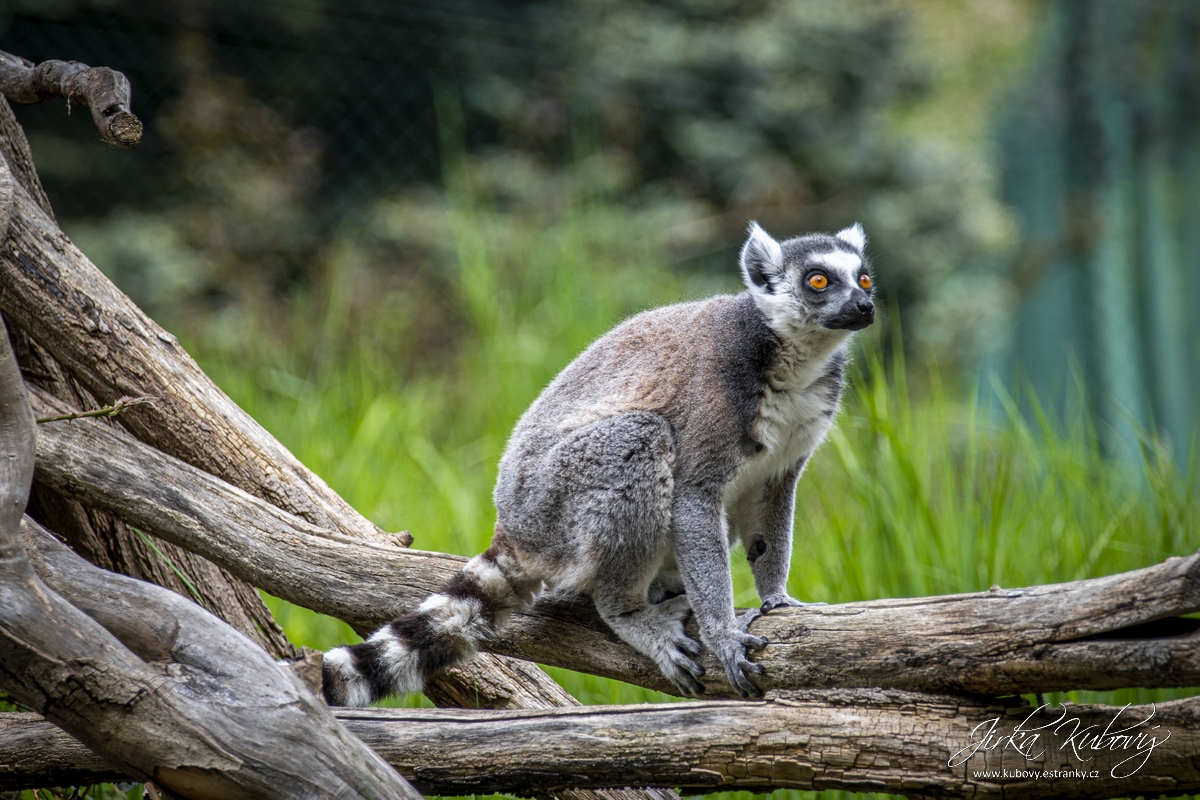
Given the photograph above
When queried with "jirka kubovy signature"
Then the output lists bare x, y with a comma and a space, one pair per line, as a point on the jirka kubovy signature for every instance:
1083, 741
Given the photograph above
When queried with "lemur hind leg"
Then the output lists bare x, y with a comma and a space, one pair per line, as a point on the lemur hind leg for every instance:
615, 503
655, 629
667, 583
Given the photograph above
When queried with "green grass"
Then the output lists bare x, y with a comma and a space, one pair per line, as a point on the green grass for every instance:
924, 487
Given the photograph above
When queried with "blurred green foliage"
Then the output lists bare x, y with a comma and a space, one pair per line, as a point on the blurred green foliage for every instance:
803, 115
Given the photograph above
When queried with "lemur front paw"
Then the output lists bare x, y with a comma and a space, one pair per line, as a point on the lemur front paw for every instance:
774, 601
730, 650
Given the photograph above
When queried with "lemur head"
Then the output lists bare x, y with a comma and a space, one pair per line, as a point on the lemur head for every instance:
818, 281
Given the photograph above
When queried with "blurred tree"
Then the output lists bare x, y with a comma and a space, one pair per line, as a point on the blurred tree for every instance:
806, 116
1102, 161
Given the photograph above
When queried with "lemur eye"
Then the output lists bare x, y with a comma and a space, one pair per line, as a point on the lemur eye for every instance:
864, 281
818, 281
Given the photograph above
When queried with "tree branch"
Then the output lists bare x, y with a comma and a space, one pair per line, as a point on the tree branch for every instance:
103, 90
102, 539
157, 686
184, 700
1112, 632
848, 740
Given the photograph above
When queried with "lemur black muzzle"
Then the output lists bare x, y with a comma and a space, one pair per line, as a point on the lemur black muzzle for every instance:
857, 313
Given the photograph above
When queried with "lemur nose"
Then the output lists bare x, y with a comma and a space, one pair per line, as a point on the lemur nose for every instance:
866, 308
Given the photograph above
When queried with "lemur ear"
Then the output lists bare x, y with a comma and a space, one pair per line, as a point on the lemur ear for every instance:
854, 236
761, 260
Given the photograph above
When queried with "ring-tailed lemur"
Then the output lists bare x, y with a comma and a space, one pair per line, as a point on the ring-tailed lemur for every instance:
628, 478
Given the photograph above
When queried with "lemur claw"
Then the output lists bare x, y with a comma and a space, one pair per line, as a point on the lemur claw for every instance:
747, 617
775, 601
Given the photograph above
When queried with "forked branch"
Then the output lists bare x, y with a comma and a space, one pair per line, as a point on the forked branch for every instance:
159, 687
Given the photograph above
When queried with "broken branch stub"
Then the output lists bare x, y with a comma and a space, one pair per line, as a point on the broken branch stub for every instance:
105, 91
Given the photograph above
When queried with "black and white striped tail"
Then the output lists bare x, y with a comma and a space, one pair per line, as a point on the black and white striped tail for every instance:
445, 630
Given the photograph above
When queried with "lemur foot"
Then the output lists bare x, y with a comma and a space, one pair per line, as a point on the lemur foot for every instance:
675, 655
731, 649
774, 601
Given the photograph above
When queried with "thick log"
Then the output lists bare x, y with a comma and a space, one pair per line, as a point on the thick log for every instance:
191, 704
103, 90
1105, 633
489, 681
103, 539
36, 753
848, 740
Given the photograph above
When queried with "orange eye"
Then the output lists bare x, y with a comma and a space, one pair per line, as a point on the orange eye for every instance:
864, 281
818, 281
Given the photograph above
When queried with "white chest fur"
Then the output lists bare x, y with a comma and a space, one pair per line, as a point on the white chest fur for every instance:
794, 417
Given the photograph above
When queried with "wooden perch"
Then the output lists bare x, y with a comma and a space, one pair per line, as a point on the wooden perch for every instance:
848, 740
105, 91
1112, 632
193, 705
153, 683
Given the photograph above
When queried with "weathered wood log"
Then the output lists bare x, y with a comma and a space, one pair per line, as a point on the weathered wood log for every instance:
489, 681
105, 91
1105, 633
36, 753
205, 713
103, 539
849, 740
153, 683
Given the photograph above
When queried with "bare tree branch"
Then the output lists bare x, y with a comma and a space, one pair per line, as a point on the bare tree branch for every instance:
107, 411
263, 731
104, 540
103, 90
848, 740
1122, 630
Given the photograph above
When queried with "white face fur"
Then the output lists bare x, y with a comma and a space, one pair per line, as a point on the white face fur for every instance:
813, 282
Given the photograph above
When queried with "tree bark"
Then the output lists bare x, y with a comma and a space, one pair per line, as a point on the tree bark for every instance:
489, 681
151, 682
106, 343
848, 740
103, 539
1105, 633
103, 90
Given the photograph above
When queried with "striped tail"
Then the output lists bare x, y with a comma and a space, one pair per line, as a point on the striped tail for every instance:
445, 630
